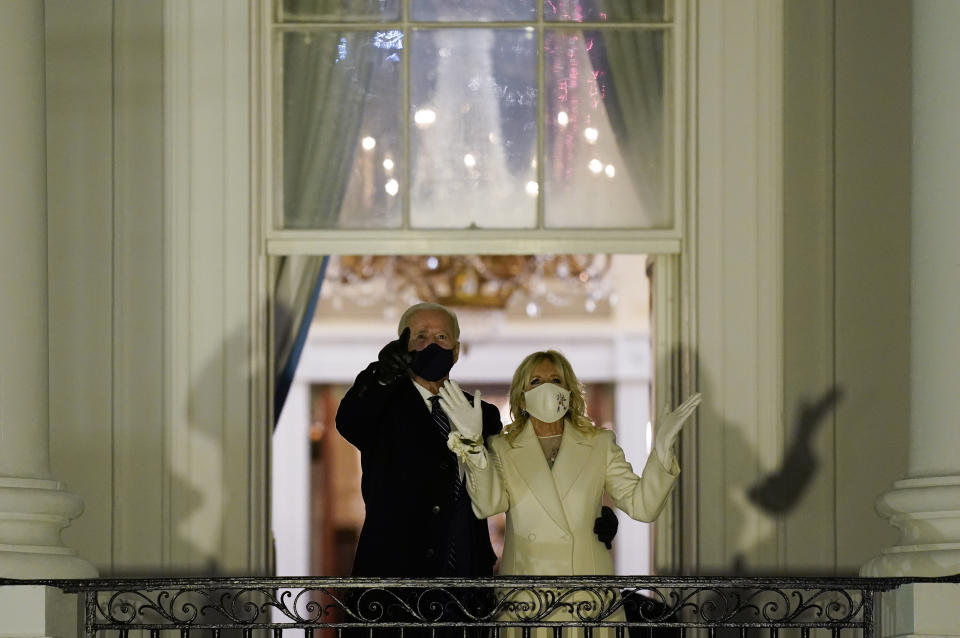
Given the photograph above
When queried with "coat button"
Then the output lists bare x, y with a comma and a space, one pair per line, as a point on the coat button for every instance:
429, 553
436, 509
532, 537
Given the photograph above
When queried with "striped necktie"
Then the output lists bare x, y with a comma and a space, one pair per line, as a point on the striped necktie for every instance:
443, 428
439, 418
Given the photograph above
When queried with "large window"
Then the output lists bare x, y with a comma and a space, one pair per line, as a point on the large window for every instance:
527, 116
479, 127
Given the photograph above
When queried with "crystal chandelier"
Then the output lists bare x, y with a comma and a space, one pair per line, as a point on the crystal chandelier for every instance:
537, 282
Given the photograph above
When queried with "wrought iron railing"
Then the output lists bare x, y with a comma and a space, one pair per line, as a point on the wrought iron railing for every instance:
524, 607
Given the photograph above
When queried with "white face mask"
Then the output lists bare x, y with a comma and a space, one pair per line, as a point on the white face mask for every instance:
547, 402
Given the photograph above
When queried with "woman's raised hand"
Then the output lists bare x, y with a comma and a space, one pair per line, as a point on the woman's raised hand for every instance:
667, 428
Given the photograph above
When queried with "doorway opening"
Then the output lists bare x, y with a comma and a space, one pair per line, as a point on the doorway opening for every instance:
596, 309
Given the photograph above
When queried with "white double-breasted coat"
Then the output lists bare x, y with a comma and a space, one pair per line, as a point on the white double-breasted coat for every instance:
551, 512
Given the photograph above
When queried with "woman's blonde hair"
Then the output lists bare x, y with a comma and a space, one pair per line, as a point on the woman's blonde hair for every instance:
576, 415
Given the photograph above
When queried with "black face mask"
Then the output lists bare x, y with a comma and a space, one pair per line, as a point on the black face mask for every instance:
432, 363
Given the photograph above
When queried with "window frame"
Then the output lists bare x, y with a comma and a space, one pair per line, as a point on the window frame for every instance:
284, 242
672, 251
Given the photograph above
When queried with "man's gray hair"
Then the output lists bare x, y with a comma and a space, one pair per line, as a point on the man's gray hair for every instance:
414, 309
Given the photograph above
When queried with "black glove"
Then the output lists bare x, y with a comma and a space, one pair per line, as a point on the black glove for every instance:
605, 527
394, 359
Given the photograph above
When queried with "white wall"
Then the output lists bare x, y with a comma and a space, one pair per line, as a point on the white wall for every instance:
801, 290
736, 282
846, 266
872, 298
104, 183
151, 281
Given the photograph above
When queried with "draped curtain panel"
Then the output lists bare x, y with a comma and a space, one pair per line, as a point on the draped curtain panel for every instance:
296, 292
632, 61
326, 77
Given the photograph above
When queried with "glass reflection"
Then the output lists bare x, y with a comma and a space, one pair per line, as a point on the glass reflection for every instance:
604, 133
473, 10
472, 121
473, 134
604, 10
339, 10
342, 139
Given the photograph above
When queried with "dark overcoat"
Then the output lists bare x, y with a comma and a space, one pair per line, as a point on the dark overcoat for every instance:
407, 481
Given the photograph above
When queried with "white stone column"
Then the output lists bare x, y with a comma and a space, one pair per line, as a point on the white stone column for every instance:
925, 505
34, 508
290, 503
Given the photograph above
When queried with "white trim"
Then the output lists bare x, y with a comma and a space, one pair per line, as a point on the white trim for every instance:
261, 390
676, 112
138, 530
456, 242
210, 319
240, 288
686, 533
739, 276
665, 285
769, 271
176, 111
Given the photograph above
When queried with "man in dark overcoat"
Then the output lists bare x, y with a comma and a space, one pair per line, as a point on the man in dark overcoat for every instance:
419, 521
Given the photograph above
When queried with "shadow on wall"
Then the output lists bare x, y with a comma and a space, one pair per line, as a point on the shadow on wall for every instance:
750, 509
779, 491
209, 488
180, 528
753, 505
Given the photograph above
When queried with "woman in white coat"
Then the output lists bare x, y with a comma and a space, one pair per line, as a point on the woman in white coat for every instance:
548, 471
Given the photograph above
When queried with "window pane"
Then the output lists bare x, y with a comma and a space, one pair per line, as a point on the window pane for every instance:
339, 10
604, 126
342, 140
473, 10
603, 10
473, 132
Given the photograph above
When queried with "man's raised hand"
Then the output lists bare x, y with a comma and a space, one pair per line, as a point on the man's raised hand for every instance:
394, 359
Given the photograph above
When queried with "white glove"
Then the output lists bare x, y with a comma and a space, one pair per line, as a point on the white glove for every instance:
466, 418
668, 428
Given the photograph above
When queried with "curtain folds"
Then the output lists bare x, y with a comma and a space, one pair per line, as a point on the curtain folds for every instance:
326, 82
633, 62
326, 79
296, 293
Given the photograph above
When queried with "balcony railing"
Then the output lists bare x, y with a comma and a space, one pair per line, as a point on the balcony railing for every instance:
524, 607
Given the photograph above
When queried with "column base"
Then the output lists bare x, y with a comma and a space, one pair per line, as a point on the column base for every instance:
34, 611
33, 512
920, 609
927, 513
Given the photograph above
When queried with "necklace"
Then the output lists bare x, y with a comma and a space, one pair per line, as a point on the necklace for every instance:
550, 444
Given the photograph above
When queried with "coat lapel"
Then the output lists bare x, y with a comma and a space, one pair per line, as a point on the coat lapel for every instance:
527, 455
575, 450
